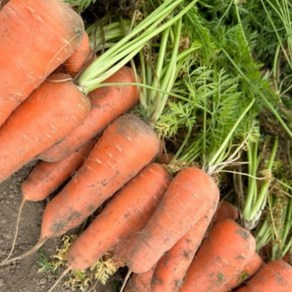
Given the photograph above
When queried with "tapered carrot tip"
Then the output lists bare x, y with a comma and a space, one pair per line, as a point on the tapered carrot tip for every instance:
275, 276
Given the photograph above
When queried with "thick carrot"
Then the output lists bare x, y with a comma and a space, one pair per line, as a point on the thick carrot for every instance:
226, 210
107, 104
125, 214
49, 114
46, 177
222, 255
189, 196
172, 266
36, 37
248, 271
140, 282
124, 148
275, 276
81, 57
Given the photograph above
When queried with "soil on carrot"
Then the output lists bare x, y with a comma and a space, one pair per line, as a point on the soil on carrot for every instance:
25, 275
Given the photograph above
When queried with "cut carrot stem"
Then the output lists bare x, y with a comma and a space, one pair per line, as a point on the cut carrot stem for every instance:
221, 257
81, 57
189, 196
48, 115
124, 214
36, 37
107, 104
274, 276
171, 268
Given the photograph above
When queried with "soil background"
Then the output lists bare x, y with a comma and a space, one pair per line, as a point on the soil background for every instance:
23, 275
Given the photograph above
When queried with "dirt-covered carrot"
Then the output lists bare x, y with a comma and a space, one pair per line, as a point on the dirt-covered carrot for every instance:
248, 271
226, 210
274, 276
46, 177
107, 104
124, 148
50, 113
36, 37
125, 214
81, 57
222, 255
190, 194
171, 268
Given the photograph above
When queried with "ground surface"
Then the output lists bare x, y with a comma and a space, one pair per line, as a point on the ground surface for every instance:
23, 276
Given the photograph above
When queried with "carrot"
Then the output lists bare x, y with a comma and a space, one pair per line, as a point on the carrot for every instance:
81, 57
36, 37
226, 210
275, 276
248, 271
124, 214
172, 266
107, 104
189, 196
118, 155
221, 257
140, 282
49, 114
45, 178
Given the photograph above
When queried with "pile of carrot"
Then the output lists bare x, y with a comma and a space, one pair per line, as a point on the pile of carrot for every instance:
168, 228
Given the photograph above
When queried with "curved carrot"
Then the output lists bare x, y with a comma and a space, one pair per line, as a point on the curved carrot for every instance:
190, 194
222, 255
172, 266
107, 104
226, 210
36, 37
48, 115
275, 276
248, 271
124, 214
81, 57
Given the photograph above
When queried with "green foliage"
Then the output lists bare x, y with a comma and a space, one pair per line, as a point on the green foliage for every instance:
80, 5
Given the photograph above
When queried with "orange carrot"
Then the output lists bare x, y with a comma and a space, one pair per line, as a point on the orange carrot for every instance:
81, 57
248, 271
118, 155
275, 276
226, 210
140, 282
107, 104
221, 257
46, 177
125, 214
36, 37
189, 196
172, 266
49, 114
